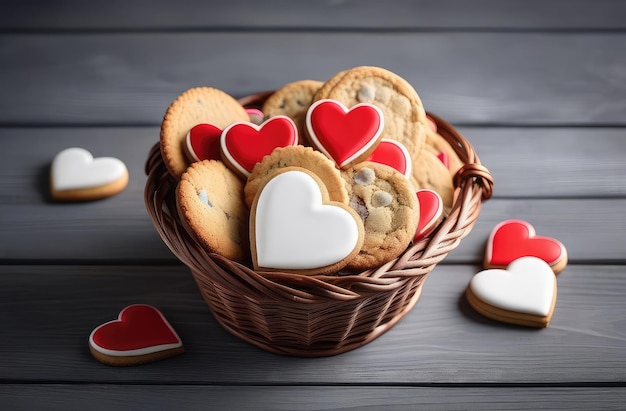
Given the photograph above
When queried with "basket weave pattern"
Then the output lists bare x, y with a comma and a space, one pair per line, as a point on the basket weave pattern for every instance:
317, 315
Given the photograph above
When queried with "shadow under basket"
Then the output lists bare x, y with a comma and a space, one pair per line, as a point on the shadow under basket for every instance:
319, 315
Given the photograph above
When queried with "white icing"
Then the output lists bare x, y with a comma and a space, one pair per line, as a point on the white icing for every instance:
190, 149
139, 351
294, 230
526, 286
360, 151
257, 127
75, 168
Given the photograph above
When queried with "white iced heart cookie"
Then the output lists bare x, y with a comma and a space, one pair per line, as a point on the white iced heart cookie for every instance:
523, 294
294, 227
76, 176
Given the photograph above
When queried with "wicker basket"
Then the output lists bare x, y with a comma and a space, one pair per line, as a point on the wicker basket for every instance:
318, 315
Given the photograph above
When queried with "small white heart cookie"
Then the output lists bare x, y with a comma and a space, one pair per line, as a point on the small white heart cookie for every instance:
75, 175
294, 227
523, 294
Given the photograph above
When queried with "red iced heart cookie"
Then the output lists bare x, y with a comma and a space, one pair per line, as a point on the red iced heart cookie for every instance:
345, 135
256, 115
203, 142
141, 334
245, 144
444, 158
512, 239
431, 209
392, 153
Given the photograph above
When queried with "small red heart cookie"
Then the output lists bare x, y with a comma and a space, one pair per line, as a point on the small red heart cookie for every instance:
444, 158
523, 294
345, 135
141, 334
431, 211
512, 239
203, 142
245, 144
392, 153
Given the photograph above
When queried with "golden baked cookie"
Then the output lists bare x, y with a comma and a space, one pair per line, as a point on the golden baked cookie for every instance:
292, 100
404, 115
210, 203
429, 172
195, 106
297, 156
387, 204
436, 144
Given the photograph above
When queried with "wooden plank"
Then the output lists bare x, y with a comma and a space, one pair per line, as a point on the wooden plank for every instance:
327, 14
49, 311
536, 162
118, 228
189, 397
469, 78
552, 162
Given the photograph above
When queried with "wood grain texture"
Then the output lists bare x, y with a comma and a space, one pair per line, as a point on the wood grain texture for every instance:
543, 164
469, 78
189, 397
119, 230
537, 162
50, 311
303, 14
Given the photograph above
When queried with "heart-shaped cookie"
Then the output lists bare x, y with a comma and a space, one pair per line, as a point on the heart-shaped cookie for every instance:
512, 239
431, 210
75, 175
523, 294
294, 227
444, 158
345, 135
245, 144
141, 334
393, 154
203, 142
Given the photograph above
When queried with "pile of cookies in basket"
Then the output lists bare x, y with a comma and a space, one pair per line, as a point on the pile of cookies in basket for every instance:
332, 176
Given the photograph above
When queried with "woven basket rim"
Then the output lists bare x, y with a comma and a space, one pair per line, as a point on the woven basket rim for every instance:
399, 281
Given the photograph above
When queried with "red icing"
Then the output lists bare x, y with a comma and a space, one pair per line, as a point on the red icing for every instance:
204, 142
513, 239
431, 207
341, 133
444, 158
393, 154
246, 143
137, 327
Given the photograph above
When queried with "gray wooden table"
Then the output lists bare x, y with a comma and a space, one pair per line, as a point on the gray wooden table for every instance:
538, 87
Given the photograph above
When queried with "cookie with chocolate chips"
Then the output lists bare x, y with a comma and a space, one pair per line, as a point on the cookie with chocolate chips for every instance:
386, 202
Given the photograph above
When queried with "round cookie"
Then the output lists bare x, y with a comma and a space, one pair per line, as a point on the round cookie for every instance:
297, 156
292, 100
210, 202
195, 106
436, 144
387, 204
430, 173
404, 114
